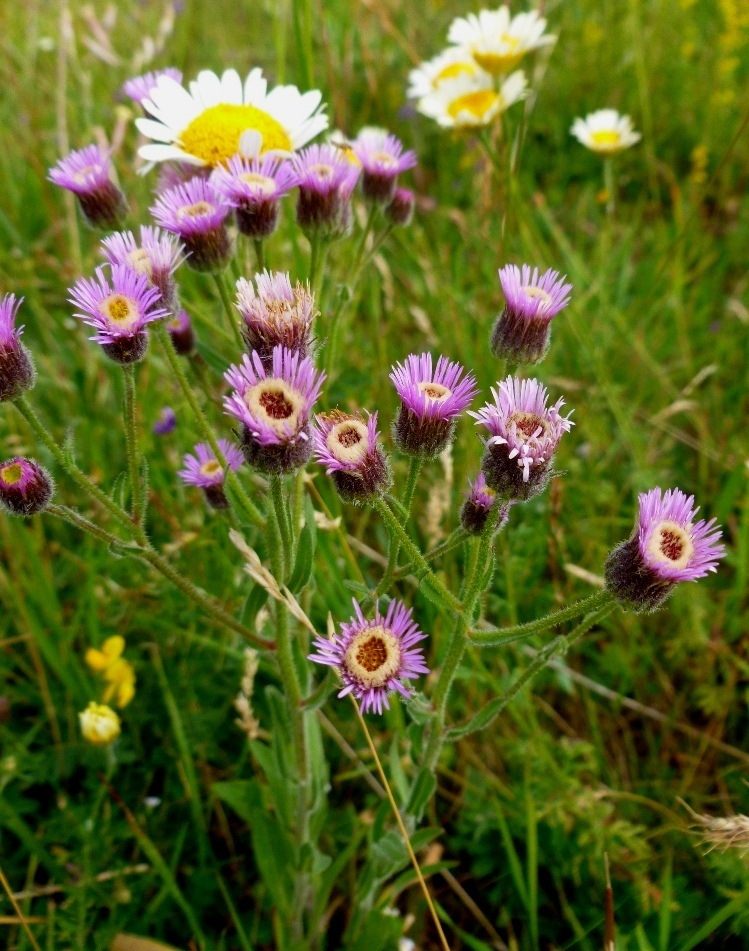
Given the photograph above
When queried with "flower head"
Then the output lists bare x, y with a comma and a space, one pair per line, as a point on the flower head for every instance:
181, 333
119, 312
139, 88
522, 331
666, 547
166, 423
382, 159
88, 174
375, 657
274, 408
276, 313
219, 116
477, 505
400, 211
194, 213
326, 179
497, 41
100, 725
254, 187
206, 472
450, 63
605, 132
119, 674
471, 102
349, 449
431, 400
17, 372
25, 487
524, 435
157, 255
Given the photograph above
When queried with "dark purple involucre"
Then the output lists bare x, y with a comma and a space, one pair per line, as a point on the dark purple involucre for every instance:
88, 174
326, 180
382, 159
521, 334
194, 213
16, 367
254, 188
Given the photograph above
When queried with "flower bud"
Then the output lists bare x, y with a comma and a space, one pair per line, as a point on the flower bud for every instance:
182, 334
17, 372
100, 725
400, 211
25, 487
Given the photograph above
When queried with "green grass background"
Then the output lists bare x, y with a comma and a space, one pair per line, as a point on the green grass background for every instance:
652, 355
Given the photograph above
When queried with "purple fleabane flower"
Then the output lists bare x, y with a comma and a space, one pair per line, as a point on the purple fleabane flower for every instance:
17, 372
326, 180
25, 487
382, 159
666, 547
182, 334
274, 408
524, 435
194, 213
139, 88
276, 314
158, 256
375, 657
349, 449
119, 312
88, 174
477, 505
400, 211
206, 472
431, 401
166, 423
254, 189
532, 300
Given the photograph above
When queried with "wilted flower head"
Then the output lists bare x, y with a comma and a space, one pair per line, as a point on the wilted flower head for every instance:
349, 449
522, 331
16, 367
139, 88
471, 102
431, 400
375, 657
25, 487
100, 725
194, 213
119, 312
220, 116
326, 180
524, 435
497, 41
206, 472
276, 313
400, 211
666, 547
182, 334
166, 423
157, 255
274, 408
382, 159
88, 174
450, 63
254, 188
605, 132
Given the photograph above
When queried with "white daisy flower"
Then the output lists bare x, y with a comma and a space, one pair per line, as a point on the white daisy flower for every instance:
449, 64
498, 42
219, 116
472, 101
605, 132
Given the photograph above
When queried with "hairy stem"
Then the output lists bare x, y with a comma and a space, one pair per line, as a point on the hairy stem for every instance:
506, 635
131, 443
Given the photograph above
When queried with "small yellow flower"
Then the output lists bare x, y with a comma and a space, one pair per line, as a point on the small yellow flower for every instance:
111, 649
118, 672
100, 725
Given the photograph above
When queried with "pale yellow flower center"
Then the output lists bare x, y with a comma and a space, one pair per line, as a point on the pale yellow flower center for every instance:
477, 104
214, 135
348, 441
120, 310
527, 424
100, 725
322, 170
453, 70
385, 159
498, 63
210, 468
140, 261
11, 473
671, 545
606, 137
82, 175
536, 292
259, 184
275, 404
373, 656
195, 210
435, 392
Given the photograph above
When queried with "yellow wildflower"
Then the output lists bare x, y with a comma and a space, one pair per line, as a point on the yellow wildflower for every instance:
118, 672
100, 725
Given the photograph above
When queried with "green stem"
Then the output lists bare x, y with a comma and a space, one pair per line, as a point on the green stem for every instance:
507, 635
282, 519
609, 185
259, 254
80, 521
453, 540
414, 468
204, 426
318, 254
223, 290
80, 478
131, 442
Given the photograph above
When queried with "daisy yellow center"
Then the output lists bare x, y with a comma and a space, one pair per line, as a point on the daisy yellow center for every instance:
259, 184
671, 545
435, 392
120, 310
497, 63
276, 404
11, 473
476, 104
210, 468
453, 70
140, 261
606, 138
528, 424
373, 656
348, 441
195, 210
536, 292
214, 135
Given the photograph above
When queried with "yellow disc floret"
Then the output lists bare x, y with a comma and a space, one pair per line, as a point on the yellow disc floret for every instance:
11, 473
606, 138
214, 135
453, 70
477, 104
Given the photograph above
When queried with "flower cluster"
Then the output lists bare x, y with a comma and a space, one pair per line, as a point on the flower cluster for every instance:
118, 673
